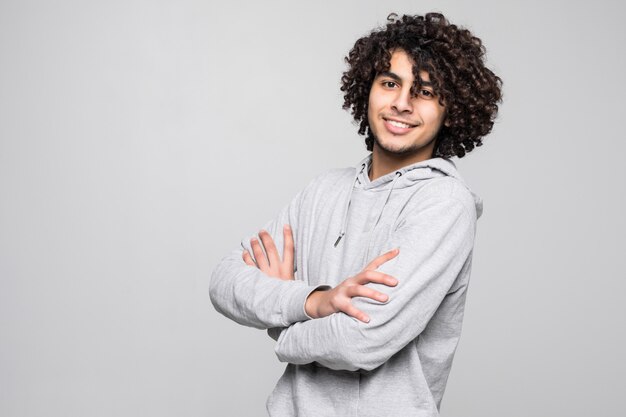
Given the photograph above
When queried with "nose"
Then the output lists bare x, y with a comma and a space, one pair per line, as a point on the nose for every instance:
403, 102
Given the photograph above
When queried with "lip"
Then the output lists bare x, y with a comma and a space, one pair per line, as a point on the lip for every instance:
396, 130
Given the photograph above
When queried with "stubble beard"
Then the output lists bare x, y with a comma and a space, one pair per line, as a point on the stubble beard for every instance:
402, 151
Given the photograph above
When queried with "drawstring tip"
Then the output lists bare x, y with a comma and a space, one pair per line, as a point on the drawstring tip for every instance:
338, 239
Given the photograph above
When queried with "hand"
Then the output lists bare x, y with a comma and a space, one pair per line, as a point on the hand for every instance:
272, 265
324, 303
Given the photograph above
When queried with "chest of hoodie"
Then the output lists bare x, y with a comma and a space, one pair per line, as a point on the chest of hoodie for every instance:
372, 216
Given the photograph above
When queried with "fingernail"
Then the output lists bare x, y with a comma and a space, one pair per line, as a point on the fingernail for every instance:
367, 319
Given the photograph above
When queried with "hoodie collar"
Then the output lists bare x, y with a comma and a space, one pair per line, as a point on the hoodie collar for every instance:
401, 178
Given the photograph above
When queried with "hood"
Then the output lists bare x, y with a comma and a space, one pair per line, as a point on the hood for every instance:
401, 178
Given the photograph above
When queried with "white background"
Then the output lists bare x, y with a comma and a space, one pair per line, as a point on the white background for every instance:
140, 140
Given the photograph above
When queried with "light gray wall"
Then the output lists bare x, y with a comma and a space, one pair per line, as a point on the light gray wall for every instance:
139, 141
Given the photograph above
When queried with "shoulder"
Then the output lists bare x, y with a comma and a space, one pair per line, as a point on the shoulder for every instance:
327, 183
336, 174
449, 191
332, 178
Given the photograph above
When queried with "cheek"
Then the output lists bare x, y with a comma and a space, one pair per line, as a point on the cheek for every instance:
375, 101
371, 107
435, 115
371, 101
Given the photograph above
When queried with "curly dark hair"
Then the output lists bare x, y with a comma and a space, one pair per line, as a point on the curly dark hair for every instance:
454, 61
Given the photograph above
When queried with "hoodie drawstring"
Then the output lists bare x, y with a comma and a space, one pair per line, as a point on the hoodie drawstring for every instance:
398, 175
419, 171
345, 213
380, 214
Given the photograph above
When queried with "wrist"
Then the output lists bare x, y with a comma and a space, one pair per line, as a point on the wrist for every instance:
311, 305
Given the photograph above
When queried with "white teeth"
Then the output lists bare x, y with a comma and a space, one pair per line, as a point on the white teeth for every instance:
398, 124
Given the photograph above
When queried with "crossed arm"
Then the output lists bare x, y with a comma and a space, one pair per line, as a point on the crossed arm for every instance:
436, 247
321, 302
435, 244
265, 294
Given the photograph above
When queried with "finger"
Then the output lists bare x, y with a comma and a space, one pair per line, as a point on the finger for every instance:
288, 252
270, 249
378, 261
352, 311
247, 258
363, 291
366, 276
261, 260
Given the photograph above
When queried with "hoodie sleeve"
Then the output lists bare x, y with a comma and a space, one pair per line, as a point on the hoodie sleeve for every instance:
248, 296
435, 244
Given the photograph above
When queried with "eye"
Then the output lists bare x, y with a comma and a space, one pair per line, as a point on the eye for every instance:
427, 94
389, 84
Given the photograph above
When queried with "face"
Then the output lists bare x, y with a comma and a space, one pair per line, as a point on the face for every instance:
404, 126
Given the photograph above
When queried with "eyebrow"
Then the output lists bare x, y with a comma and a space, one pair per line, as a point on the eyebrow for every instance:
397, 78
391, 75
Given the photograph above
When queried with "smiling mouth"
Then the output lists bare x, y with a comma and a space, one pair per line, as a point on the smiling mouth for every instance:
399, 124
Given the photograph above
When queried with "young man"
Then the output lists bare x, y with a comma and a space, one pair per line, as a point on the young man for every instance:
364, 293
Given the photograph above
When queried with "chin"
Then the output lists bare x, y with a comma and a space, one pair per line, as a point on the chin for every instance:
388, 145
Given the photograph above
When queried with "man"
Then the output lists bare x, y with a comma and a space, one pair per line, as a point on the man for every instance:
366, 301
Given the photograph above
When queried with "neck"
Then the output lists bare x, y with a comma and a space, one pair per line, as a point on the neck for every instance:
384, 162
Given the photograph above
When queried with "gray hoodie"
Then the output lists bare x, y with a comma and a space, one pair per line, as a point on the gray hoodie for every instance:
399, 362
